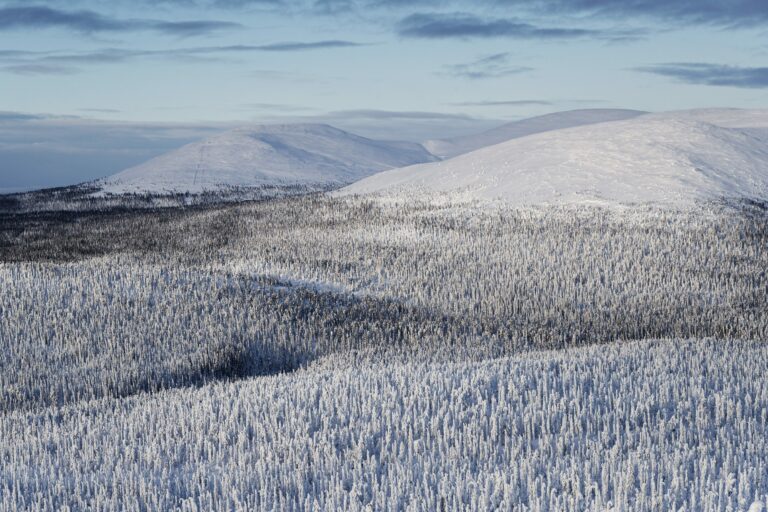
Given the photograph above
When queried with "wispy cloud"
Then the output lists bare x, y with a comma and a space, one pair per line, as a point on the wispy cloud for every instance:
231, 3
721, 13
469, 26
42, 17
39, 69
492, 66
394, 114
712, 74
300, 46
100, 110
39, 63
275, 107
12, 54
503, 103
724, 13
6, 116
332, 7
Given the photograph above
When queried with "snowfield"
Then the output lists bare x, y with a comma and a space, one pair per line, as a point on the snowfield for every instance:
605, 156
725, 117
648, 159
448, 148
312, 156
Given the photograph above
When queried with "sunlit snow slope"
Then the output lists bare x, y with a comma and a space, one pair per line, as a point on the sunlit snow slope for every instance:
657, 159
307, 155
447, 148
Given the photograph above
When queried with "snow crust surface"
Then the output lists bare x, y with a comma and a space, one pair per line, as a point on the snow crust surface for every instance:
670, 158
305, 155
447, 148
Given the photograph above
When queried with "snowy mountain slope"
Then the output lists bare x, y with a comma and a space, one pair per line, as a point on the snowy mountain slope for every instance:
448, 148
307, 155
754, 121
725, 117
643, 160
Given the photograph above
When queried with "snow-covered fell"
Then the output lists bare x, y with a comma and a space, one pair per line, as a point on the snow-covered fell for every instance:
648, 159
725, 117
311, 156
447, 148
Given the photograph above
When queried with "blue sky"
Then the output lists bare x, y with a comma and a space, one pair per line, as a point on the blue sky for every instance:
90, 87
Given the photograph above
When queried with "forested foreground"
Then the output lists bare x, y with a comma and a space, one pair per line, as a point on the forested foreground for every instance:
345, 353
673, 425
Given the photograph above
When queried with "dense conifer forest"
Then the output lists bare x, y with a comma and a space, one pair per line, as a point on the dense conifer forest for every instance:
319, 353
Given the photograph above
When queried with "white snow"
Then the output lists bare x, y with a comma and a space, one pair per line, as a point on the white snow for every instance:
447, 148
306, 155
668, 158
725, 117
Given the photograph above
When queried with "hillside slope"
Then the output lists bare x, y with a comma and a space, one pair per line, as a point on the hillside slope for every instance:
647, 159
312, 156
447, 148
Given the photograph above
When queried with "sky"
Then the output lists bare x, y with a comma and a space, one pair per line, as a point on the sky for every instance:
90, 87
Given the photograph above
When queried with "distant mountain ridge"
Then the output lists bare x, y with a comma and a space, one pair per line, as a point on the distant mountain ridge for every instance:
311, 156
448, 148
657, 158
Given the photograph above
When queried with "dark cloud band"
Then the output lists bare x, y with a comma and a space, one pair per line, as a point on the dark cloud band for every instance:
41, 17
712, 74
733, 13
465, 26
52, 63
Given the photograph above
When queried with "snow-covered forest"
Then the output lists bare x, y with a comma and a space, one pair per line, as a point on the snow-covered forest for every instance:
639, 426
317, 353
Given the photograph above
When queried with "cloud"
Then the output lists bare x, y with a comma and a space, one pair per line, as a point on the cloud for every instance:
38, 63
106, 55
711, 74
275, 107
466, 26
100, 110
234, 3
300, 46
6, 116
721, 13
41, 17
12, 54
725, 13
332, 7
190, 28
395, 114
39, 69
584, 101
507, 103
491, 66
